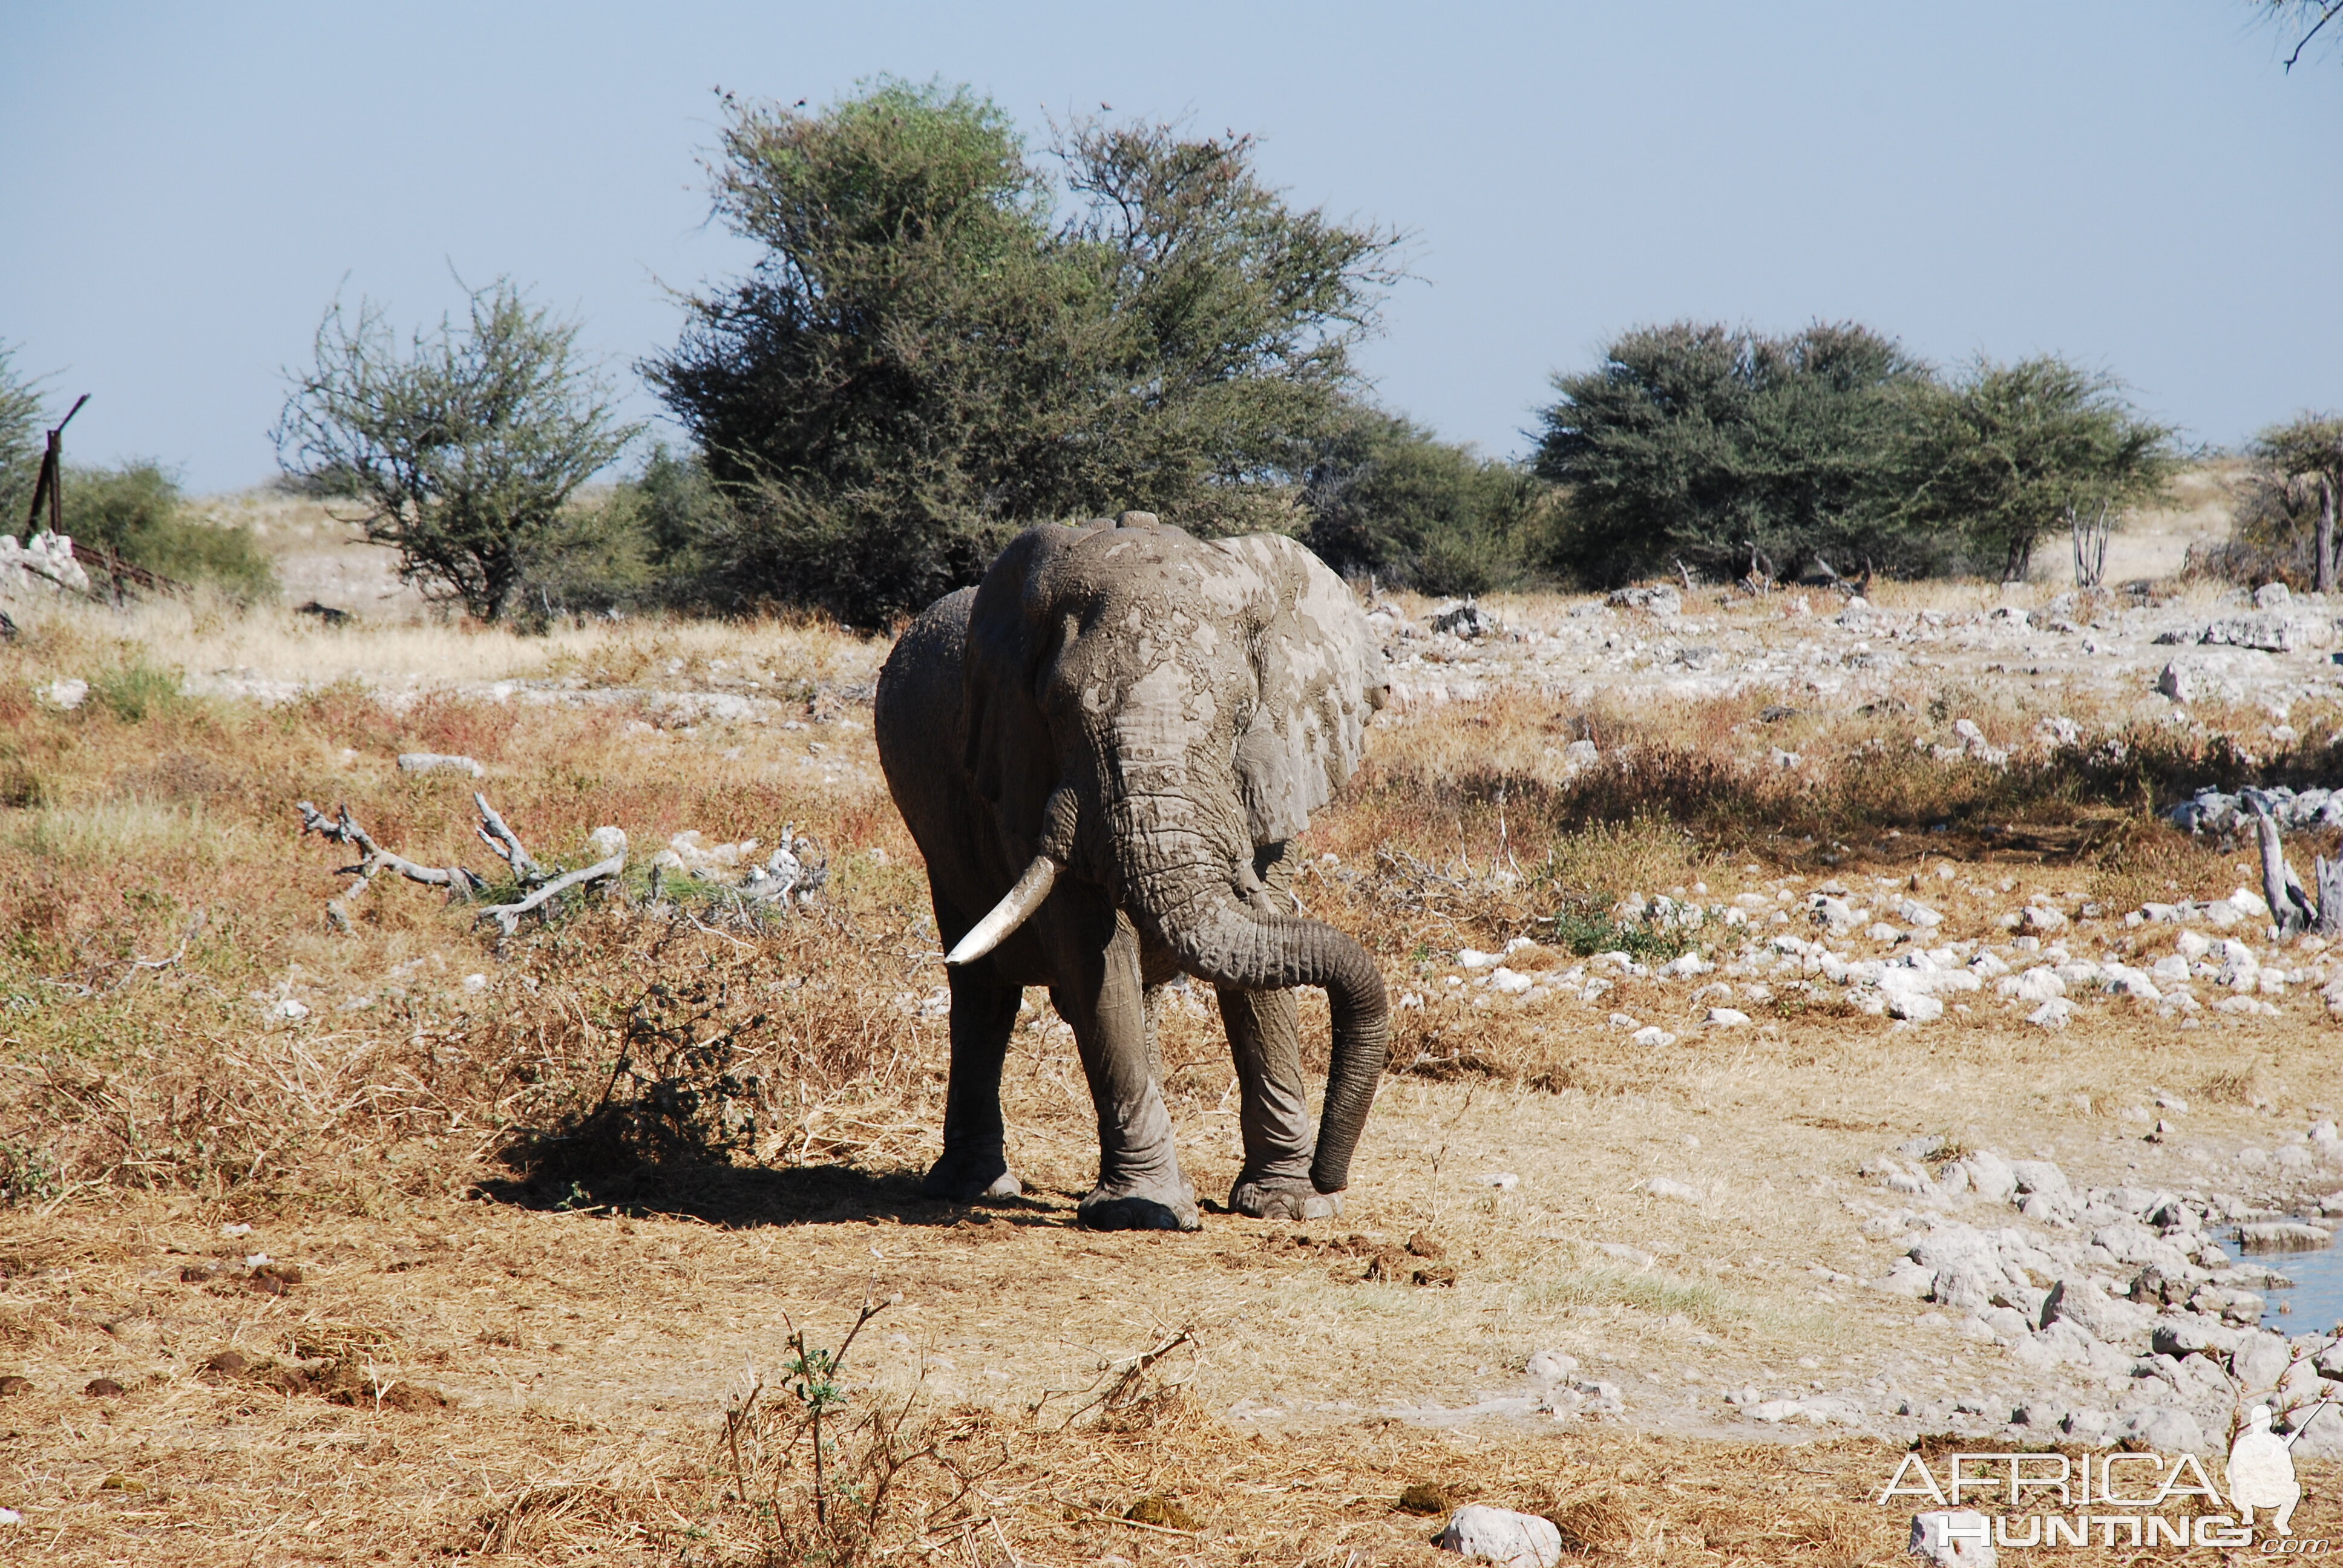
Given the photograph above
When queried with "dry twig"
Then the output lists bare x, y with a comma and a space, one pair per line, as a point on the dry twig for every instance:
506, 843
342, 829
509, 915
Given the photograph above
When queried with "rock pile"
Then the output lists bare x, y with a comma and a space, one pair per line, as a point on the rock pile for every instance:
2121, 1296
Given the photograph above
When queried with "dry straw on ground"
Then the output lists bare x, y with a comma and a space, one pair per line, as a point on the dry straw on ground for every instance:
586, 1196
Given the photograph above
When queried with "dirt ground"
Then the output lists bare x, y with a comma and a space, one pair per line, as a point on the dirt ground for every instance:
341, 1320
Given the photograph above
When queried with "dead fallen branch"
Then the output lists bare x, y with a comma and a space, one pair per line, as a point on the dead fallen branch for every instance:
342, 829
196, 923
2291, 908
509, 915
506, 843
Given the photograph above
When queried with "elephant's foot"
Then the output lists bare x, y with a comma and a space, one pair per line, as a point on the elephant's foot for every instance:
971, 1177
1282, 1198
1139, 1208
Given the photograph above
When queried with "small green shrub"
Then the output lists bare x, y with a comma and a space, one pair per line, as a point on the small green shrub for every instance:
138, 512
136, 693
21, 789
1586, 930
1386, 496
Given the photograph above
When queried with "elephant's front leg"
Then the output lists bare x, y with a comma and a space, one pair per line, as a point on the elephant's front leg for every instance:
975, 1165
1099, 992
1265, 1037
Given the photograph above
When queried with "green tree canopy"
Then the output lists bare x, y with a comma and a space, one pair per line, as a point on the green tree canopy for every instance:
2284, 520
137, 511
464, 448
20, 441
2007, 453
944, 342
1729, 449
1386, 496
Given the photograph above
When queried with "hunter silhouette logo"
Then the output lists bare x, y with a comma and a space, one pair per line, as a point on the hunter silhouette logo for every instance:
2261, 1469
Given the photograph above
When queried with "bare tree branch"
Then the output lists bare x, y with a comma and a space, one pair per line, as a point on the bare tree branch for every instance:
509, 915
342, 829
505, 843
2326, 13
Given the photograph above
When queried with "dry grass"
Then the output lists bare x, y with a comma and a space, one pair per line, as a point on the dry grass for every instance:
587, 1198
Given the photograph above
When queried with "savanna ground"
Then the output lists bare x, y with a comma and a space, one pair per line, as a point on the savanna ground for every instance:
532, 1221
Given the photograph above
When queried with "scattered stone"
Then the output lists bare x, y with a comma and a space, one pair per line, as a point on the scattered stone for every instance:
1651, 1036
2269, 633
1659, 599
2212, 675
1726, 1018
438, 762
2166, 1429
1625, 1255
2283, 1236
2055, 1013
102, 1388
1503, 1537
67, 694
1555, 1366
1678, 1191
13, 1385
1462, 619
2259, 1361
1914, 1007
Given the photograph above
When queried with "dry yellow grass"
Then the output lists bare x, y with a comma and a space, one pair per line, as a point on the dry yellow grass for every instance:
411, 1144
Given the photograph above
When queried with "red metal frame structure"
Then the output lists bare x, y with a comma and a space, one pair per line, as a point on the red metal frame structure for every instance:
49, 490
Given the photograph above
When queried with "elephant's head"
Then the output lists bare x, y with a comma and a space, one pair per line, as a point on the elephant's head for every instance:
1145, 709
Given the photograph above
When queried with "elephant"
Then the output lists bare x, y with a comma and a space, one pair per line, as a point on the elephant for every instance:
1102, 750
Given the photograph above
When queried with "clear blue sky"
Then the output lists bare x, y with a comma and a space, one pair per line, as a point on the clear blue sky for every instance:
183, 188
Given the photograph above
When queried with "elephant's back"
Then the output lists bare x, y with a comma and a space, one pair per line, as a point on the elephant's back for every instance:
916, 714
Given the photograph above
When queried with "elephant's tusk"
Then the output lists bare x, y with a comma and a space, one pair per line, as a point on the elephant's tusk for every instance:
1009, 914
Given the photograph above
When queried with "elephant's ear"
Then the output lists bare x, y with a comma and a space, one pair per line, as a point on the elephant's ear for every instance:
1010, 757
1321, 677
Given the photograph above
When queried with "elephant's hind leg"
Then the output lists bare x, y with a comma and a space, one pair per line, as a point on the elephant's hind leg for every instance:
975, 1163
1265, 1037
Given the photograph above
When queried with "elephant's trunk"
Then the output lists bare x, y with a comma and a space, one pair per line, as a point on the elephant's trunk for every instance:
1191, 905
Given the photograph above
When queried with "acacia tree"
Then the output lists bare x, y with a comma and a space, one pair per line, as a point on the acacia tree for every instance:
2007, 453
1731, 451
931, 354
20, 441
464, 448
2288, 501
1386, 496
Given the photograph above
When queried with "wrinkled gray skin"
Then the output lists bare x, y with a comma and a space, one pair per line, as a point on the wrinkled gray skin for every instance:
1159, 714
